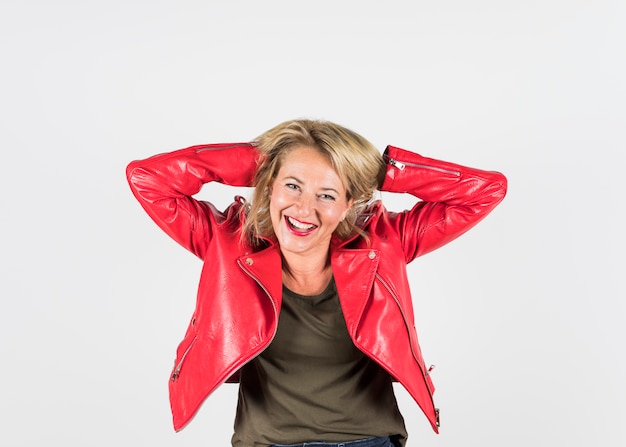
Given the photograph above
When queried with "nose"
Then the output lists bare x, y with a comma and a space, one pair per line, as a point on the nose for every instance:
306, 204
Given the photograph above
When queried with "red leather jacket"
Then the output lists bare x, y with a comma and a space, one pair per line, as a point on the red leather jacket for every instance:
240, 290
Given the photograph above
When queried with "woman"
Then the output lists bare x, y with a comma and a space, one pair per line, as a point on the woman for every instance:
304, 297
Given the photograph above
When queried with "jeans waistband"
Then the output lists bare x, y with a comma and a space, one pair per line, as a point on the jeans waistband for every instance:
368, 442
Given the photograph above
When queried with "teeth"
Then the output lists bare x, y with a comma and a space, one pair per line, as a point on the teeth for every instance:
300, 225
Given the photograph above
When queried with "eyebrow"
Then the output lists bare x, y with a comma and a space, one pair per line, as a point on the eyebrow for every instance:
297, 180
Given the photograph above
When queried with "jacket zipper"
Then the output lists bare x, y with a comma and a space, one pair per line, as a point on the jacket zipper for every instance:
266, 292
408, 327
406, 323
179, 365
401, 165
230, 146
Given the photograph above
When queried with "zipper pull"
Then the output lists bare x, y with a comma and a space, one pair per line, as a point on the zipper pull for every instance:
397, 164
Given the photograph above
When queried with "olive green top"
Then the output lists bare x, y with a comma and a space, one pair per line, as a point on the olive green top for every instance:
313, 384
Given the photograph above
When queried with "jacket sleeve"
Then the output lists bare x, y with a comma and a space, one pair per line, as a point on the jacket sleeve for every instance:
454, 198
164, 185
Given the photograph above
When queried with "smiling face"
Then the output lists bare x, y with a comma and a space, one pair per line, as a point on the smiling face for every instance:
308, 200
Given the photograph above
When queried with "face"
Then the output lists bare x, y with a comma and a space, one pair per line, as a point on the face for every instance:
308, 200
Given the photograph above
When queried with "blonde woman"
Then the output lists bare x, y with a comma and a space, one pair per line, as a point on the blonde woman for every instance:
304, 297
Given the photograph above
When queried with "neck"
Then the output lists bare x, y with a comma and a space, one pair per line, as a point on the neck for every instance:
306, 276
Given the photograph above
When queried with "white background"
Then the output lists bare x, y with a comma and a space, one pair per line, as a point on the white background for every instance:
523, 316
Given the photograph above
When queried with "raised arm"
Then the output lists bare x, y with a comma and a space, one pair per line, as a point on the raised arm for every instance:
454, 198
164, 185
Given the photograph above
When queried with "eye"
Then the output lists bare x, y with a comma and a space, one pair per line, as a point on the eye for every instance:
327, 197
292, 186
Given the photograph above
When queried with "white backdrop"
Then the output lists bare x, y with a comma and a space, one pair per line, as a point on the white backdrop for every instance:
523, 316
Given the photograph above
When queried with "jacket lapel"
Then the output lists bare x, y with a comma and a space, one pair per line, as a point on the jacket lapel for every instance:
265, 268
354, 271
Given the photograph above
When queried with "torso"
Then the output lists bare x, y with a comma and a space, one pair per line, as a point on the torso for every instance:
312, 383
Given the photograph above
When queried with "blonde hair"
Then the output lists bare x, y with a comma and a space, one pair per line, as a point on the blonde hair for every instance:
357, 162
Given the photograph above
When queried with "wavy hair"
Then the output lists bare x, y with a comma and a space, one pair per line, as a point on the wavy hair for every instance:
358, 163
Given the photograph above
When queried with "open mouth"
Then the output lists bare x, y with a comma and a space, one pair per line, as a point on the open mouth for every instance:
297, 227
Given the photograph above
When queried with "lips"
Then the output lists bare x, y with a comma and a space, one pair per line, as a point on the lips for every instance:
299, 228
